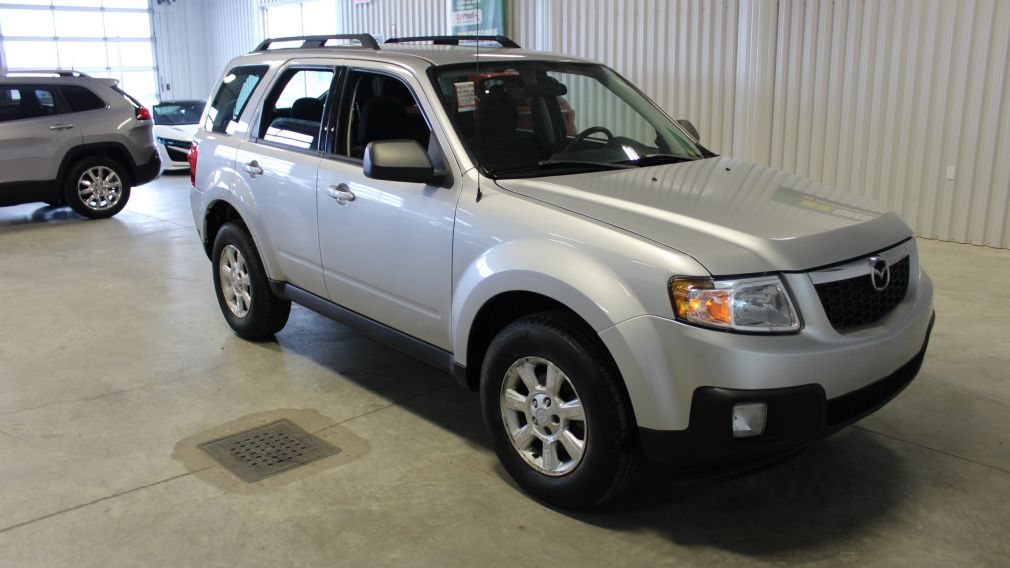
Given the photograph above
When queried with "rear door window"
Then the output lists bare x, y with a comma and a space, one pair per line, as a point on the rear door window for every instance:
232, 97
81, 99
18, 102
293, 111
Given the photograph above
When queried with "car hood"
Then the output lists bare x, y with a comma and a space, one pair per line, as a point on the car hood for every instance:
182, 132
734, 217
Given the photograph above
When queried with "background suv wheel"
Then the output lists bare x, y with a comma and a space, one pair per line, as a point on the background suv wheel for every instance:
96, 187
243, 291
554, 409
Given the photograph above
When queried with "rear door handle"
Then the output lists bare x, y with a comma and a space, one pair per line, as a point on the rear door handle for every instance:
341, 193
253, 169
61, 127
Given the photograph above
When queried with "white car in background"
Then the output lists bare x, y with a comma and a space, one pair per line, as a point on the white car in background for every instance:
175, 124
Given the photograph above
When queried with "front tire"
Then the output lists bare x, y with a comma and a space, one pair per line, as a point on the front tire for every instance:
96, 188
243, 291
556, 414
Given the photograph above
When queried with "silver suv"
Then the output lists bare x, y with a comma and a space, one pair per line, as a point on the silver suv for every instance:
68, 138
534, 225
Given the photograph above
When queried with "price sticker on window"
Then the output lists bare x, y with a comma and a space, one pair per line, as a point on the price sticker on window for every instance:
465, 99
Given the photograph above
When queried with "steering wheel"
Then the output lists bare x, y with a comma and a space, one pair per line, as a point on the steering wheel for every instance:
585, 134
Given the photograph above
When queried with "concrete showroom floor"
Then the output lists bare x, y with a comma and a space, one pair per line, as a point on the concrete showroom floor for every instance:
115, 363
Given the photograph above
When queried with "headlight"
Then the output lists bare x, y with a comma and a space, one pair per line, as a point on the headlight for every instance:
749, 304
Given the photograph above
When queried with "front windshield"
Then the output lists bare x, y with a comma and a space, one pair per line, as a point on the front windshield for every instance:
176, 114
536, 118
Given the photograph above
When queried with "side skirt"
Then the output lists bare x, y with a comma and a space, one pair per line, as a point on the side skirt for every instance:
421, 350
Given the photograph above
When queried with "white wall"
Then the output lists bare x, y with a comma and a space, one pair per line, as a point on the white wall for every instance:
195, 39
877, 96
180, 46
883, 96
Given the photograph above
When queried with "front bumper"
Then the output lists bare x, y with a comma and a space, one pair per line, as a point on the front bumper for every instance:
173, 156
796, 416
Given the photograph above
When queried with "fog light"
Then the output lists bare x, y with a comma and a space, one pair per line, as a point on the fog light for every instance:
749, 419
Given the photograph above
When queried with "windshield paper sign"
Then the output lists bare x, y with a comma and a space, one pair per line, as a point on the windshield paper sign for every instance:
477, 17
465, 100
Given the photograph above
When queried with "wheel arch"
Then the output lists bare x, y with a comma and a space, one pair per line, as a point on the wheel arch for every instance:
109, 150
507, 307
520, 278
217, 214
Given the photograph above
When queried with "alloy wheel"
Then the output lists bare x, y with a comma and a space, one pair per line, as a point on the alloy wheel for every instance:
543, 415
235, 282
100, 188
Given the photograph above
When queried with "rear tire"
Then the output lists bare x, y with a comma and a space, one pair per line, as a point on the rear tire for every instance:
241, 285
96, 187
556, 414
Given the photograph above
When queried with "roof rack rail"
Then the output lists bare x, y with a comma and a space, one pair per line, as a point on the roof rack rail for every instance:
454, 40
317, 41
57, 72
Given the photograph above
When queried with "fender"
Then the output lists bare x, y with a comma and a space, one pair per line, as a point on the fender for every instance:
550, 268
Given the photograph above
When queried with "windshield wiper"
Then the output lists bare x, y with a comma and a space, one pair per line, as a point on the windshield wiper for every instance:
657, 159
614, 165
560, 164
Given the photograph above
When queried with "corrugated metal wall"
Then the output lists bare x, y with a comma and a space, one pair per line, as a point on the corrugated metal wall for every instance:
882, 97
682, 53
877, 96
180, 44
394, 18
235, 27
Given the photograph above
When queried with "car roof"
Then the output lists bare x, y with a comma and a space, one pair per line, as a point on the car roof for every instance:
42, 77
415, 56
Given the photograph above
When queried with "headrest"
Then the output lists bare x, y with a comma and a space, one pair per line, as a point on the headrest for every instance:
308, 108
382, 118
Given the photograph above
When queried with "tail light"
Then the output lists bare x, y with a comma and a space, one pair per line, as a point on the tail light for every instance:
194, 151
143, 114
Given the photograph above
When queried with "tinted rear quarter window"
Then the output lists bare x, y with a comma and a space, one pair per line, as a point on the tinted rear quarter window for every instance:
232, 97
80, 98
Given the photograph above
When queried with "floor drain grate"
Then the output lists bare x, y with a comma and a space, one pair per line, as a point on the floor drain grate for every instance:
268, 450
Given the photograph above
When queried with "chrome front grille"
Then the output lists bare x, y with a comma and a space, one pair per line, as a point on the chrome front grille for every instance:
848, 294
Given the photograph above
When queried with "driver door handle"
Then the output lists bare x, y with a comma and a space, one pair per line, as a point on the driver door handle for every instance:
341, 193
253, 169
61, 127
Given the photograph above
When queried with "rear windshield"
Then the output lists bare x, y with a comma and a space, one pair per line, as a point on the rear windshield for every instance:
232, 97
131, 100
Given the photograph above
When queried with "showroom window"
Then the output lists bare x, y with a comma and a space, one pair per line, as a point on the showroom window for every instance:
104, 38
309, 17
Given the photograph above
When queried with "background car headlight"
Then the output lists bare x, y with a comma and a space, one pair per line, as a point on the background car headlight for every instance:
748, 304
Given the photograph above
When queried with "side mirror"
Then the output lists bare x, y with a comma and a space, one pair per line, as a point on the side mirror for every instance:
400, 160
686, 125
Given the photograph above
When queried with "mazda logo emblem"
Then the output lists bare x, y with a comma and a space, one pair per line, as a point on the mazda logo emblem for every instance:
880, 273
